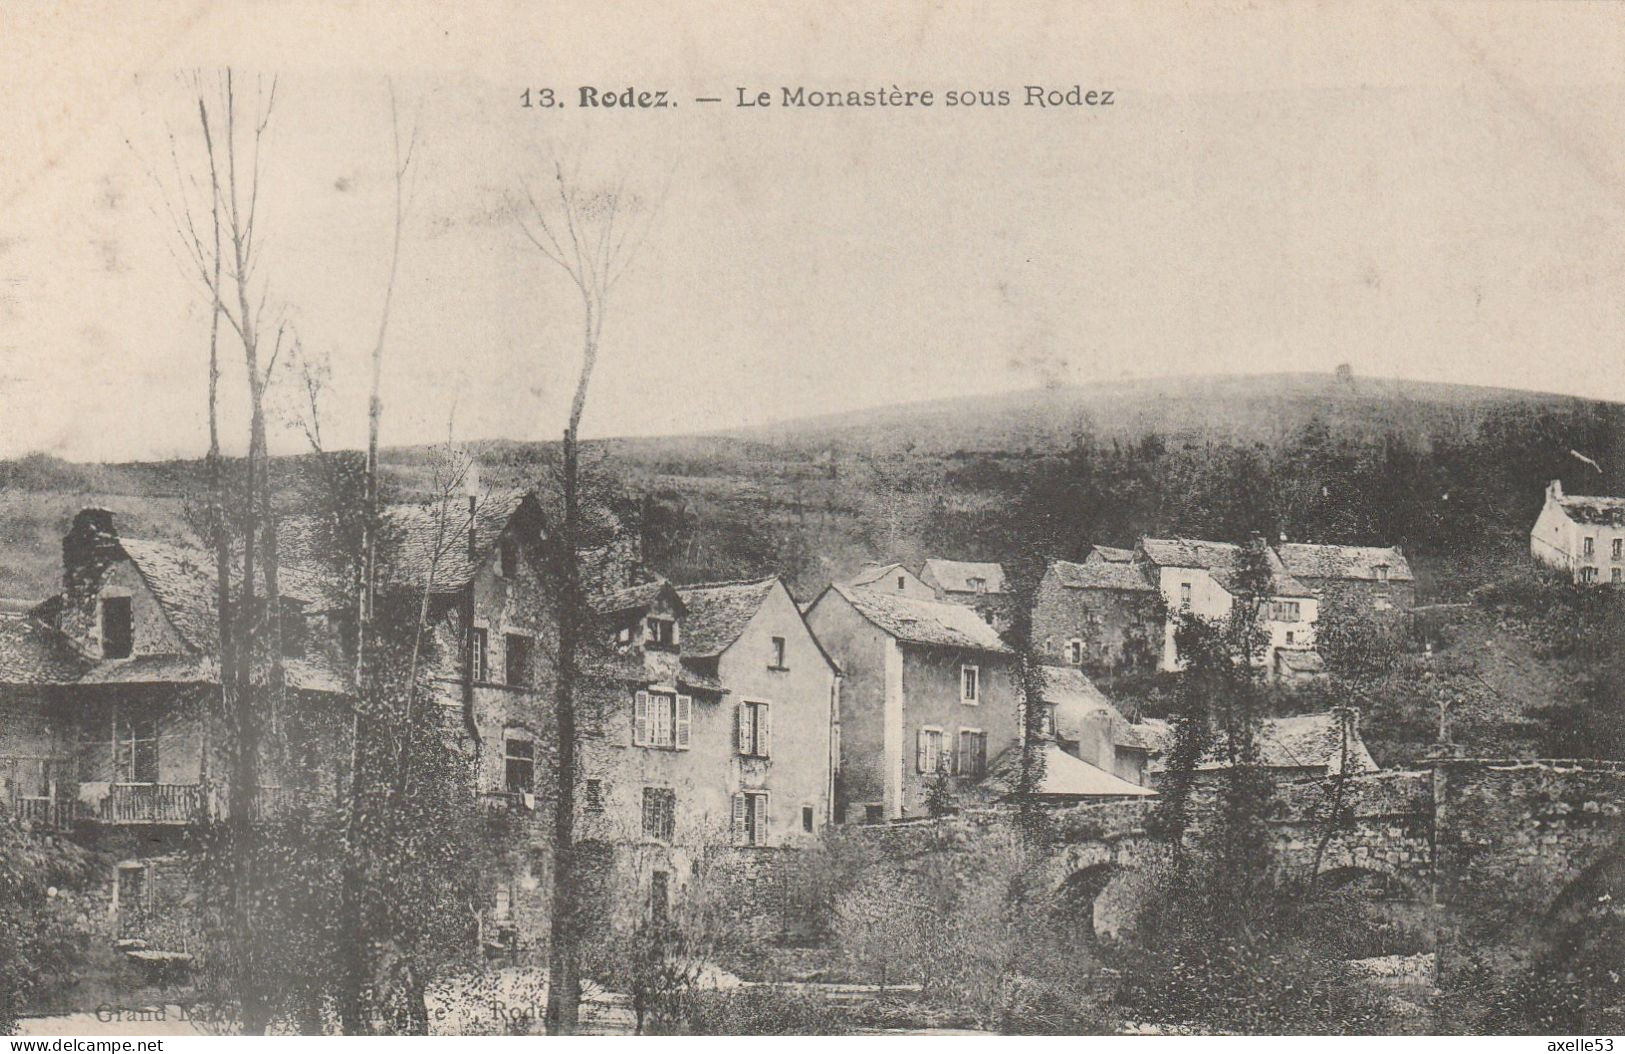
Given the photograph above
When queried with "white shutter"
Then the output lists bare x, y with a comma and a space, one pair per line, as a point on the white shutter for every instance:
919, 751
742, 729
640, 720
685, 714
764, 730
739, 819
759, 807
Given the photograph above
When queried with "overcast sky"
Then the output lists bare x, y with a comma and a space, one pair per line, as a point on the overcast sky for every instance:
1426, 191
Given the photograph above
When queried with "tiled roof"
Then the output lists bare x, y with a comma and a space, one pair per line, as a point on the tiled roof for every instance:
1101, 575
955, 575
32, 653
924, 621
1064, 777
1344, 561
1597, 510
718, 613
1109, 554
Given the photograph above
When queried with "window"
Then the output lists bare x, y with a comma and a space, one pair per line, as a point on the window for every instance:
977, 585
750, 818
501, 904
778, 654
659, 813
900, 585
624, 635
1619, 548
1616, 576
518, 652
1185, 595
755, 729
873, 813
973, 749
1291, 637
518, 765
508, 558
970, 684
135, 747
1074, 652
1588, 574
807, 818
1588, 546
660, 719
116, 627
662, 633
479, 668
1284, 610
659, 895
1046, 720
1382, 574
132, 887
928, 750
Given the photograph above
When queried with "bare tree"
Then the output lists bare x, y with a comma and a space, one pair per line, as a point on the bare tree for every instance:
591, 237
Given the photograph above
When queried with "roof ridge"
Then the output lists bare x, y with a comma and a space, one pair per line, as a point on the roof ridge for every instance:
726, 583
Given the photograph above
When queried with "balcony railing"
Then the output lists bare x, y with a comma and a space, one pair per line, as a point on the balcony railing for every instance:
176, 803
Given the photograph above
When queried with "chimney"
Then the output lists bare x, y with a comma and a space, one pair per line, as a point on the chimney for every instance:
1554, 490
90, 545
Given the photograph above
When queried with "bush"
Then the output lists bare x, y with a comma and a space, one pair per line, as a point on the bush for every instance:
763, 1010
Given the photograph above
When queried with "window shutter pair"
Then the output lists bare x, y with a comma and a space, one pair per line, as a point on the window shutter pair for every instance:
640, 720
685, 717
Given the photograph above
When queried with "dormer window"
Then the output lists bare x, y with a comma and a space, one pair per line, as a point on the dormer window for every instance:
117, 628
662, 632
1382, 574
978, 585
508, 558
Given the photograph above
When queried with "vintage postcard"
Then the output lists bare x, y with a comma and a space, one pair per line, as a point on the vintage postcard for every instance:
826, 518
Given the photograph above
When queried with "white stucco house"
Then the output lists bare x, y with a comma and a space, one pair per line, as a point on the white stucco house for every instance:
1580, 534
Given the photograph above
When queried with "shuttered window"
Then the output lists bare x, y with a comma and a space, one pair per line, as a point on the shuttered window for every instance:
662, 720
755, 729
750, 818
972, 753
928, 750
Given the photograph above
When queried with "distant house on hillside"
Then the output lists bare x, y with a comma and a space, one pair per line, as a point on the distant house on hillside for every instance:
981, 586
1108, 554
892, 578
1103, 615
1306, 745
1352, 579
1581, 535
930, 692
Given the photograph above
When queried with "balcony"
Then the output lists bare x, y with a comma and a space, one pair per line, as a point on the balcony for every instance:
174, 803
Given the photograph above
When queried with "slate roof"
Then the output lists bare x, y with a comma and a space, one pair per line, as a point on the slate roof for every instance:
306, 674
1594, 509
1304, 741
1305, 660
1223, 561
632, 598
182, 581
1109, 554
1358, 562
1064, 777
955, 575
924, 621
717, 613
1124, 577
32, 653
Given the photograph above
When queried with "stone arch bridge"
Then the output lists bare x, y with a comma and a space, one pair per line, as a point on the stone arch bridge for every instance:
1491, 853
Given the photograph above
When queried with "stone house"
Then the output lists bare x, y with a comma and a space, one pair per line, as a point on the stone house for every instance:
929, 694
1581, 535
1087, 726
1352, 581
1099, 616
713, 734
1206, 579
981, 586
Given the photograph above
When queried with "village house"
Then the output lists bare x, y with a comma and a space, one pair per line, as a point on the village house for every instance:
1581, 535
1100, 616
1208, 579
1298, 747
929, 694
712, 713
980, 586
1352, 581
892, 578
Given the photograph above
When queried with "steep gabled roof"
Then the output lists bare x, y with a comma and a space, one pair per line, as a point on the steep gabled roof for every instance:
873, 573
1109, 554
635, 598
718, 613
1224, 562
1100, 574
1077, 700
923, 621
32, 653
1358, 562
955, 576
182, 581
